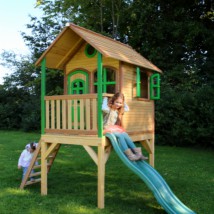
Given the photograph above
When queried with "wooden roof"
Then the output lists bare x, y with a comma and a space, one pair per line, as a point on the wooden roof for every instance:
72, 37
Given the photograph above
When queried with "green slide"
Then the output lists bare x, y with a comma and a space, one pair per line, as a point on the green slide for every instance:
153, 180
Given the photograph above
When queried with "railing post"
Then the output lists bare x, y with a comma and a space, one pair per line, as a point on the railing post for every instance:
100, 97
43, 91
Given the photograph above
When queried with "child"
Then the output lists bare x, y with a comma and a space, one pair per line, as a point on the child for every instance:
25, 158
114, 109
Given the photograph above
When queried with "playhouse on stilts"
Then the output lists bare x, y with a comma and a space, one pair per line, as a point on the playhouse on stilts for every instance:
94, 66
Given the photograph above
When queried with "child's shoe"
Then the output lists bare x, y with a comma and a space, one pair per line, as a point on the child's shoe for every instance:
139, 154
130, 155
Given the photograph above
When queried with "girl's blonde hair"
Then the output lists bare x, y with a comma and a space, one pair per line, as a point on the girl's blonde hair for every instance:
121, 109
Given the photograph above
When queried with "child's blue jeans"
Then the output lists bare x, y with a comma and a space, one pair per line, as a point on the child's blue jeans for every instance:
24, 169
124, 140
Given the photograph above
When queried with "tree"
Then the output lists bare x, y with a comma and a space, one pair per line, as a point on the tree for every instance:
20, 93
177, 36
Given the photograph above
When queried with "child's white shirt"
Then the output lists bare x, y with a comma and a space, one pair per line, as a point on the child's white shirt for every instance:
110, 117
25, 158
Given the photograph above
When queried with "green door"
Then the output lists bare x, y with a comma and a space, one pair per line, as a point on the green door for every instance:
77, 84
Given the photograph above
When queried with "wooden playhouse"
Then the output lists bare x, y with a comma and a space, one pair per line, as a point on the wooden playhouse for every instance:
94, 66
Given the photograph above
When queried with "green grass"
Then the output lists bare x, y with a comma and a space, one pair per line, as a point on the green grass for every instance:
72, 182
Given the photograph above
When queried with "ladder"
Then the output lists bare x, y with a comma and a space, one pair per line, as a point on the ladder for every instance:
35, 165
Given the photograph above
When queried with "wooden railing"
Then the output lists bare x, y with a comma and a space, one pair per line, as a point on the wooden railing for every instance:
71, 114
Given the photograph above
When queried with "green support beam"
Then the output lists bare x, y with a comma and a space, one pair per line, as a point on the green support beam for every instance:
99, 92
43, 91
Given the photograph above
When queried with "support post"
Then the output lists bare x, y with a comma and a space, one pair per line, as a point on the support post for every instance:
101, 147
152, 155
44, 170
101, 176
100, 96
43, 91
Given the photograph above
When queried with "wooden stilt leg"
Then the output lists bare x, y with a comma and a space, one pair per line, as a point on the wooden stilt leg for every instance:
44, 189
150, 148
101, 176
152, 154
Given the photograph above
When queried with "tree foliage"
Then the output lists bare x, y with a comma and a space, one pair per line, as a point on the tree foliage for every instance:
177, 36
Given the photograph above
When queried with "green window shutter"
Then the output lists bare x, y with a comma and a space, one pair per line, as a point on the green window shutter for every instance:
155, 87
138, 82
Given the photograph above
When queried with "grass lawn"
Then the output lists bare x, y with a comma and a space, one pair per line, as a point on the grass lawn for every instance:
72, 181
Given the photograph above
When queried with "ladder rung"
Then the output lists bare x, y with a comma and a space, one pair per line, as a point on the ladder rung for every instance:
33, 182
36, 166
35, 174
39, 166
51, 156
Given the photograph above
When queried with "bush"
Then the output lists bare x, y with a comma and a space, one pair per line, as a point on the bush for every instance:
185, 118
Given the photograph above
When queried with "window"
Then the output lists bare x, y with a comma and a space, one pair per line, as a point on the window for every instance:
90, 51
142, 84
145, 88
77, 87
109, 81
155, 87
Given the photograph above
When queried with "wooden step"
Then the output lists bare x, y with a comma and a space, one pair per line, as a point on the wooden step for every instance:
49, 157
35, 174
39, 166
33, 182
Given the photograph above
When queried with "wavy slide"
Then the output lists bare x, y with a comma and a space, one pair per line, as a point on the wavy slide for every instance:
153, 180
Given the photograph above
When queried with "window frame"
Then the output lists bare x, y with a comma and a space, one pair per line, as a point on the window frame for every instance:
105, 83
86, 51
153, 85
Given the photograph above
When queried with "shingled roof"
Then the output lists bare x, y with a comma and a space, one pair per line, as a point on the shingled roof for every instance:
73, 36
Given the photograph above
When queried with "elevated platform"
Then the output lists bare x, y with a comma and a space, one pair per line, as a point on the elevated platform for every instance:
49, 146
83, 140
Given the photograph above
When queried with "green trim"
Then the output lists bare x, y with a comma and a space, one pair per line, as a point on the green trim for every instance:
88, 54
70, 83
99, 96
105, 83
43, 91
138, 82
78, 88
155, 87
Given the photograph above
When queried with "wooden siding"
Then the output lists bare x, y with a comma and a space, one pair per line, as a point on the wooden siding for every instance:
140, 118
80, 60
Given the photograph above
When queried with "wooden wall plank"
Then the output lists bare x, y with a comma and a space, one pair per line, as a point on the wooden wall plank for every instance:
94, 114
64, 114
52, 114
75, 110
69, 114
88, 113
47, 114
82, 115
58, 116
